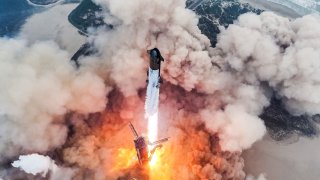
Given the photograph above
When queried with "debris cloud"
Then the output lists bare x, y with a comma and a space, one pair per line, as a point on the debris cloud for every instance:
209, 104
39, 87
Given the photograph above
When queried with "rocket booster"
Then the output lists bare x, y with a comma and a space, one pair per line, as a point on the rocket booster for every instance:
154, 80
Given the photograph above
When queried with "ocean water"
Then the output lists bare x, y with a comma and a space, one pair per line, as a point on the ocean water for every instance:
43, 2
13, 14
298, 7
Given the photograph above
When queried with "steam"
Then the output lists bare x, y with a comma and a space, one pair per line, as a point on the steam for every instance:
269, 48
209, 103
53, 24
39, 87
34, 164
260, 177
38, 164
224, 86
189, 66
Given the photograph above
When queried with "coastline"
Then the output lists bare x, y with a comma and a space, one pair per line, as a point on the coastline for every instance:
45, 5
274, 7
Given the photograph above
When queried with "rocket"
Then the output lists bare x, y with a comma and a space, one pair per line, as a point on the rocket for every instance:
144, 148
153, 81
155, 59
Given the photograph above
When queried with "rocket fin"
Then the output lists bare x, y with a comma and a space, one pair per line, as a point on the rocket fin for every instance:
133, 130
158, 142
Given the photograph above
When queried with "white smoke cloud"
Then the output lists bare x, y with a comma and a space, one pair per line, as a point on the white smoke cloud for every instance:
38, 164
35, 164
260, 177
40, 85
162, 24
283, 53
53, 24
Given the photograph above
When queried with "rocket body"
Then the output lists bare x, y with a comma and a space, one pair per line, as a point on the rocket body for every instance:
152, 96
154, 81
145, 149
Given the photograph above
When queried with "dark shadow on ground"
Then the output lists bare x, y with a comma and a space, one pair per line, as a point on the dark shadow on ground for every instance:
282, 125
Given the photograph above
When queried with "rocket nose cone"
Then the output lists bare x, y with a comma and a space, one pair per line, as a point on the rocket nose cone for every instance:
153, 54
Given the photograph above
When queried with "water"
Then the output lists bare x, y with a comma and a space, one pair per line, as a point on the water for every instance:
301, 7
305, 6
13, 14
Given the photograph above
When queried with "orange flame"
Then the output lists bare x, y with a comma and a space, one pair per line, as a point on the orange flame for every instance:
159, 169
125, 159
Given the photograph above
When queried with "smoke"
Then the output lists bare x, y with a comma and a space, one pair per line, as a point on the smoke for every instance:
34, 164
260, 177
190, 99
39, 86
189, 64
52, 24
38, 164
193, 151
226, 87
209, 103
269, 48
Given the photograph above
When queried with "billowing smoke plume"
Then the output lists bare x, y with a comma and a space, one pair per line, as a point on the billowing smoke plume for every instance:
201, 108
190, 64
269, 48
39, 86
209, 102
223, 89
53, 24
